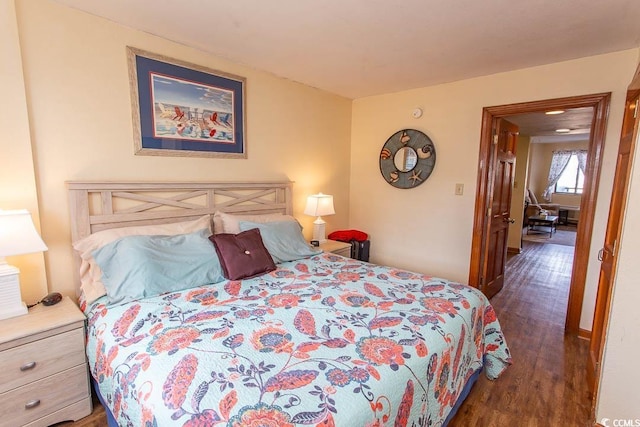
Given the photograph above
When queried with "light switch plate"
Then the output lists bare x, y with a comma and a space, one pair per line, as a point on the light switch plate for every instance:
459, 189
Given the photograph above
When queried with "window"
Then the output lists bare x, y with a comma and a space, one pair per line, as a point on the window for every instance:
571, 179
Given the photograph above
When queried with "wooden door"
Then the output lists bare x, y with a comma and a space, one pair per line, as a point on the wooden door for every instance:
609, 253
503, 163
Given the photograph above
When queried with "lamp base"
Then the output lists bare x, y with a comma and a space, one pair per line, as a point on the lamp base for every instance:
319, 230
19, 310
10, 299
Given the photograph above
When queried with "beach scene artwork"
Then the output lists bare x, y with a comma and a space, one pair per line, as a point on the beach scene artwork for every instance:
187, 110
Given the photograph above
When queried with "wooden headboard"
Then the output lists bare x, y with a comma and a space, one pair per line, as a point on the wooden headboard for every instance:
96, 206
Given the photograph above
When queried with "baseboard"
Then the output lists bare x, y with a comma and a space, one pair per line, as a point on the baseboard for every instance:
584, 334
514, 250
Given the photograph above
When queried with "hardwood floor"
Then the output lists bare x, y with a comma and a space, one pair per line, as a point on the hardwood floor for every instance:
546, 385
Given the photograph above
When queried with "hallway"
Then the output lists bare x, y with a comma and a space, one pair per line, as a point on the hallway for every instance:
546, 385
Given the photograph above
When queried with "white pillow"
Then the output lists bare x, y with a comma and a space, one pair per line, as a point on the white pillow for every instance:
228, 223
90, 273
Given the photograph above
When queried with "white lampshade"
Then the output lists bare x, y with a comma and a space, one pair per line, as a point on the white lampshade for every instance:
318, 205
18, 236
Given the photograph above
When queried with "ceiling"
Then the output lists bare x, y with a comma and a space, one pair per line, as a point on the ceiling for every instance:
543, 126
358, 48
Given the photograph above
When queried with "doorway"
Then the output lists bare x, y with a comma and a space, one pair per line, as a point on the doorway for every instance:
556, 141
480, 258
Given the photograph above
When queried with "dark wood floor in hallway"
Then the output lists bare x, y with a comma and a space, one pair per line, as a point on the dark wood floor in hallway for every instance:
546, 386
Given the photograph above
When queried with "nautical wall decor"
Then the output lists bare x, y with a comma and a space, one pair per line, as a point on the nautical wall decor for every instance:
407, 158
183, 109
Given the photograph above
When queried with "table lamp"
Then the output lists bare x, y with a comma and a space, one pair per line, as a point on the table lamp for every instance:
18, 236
319, 205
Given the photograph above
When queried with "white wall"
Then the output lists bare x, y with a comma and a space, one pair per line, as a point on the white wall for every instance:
77, 87
18, 189
518, 193
428, 228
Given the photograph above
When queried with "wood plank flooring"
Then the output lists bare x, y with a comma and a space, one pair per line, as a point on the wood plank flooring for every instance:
546, 386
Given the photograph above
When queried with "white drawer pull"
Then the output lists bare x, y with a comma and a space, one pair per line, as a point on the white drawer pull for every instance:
28, 366
32, 404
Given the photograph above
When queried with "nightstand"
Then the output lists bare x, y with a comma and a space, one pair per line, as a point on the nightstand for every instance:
44, 377
336, 247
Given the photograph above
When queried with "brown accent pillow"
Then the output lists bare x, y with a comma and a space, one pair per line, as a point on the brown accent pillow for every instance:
242, 255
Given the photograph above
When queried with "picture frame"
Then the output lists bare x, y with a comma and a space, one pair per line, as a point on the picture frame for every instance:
184, 109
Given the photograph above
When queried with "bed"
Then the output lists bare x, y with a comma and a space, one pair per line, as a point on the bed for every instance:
321, 340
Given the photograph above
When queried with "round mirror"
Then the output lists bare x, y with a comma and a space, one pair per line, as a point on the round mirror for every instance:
405, 159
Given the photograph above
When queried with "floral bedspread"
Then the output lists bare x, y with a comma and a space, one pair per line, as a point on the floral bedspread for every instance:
323, 341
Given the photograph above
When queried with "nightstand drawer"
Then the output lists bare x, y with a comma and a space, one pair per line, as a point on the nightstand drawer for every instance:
40, 398
35, 360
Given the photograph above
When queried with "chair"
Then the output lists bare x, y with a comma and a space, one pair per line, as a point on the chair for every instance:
533, 207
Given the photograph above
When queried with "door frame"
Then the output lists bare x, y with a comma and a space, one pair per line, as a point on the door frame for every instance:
600, 103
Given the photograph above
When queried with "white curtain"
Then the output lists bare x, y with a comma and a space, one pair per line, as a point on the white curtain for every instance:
558, 163
582, 159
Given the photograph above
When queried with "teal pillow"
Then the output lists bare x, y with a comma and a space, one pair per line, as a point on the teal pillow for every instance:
283, 240
135, 267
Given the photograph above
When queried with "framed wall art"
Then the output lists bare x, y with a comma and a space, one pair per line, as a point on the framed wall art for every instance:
182, 109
